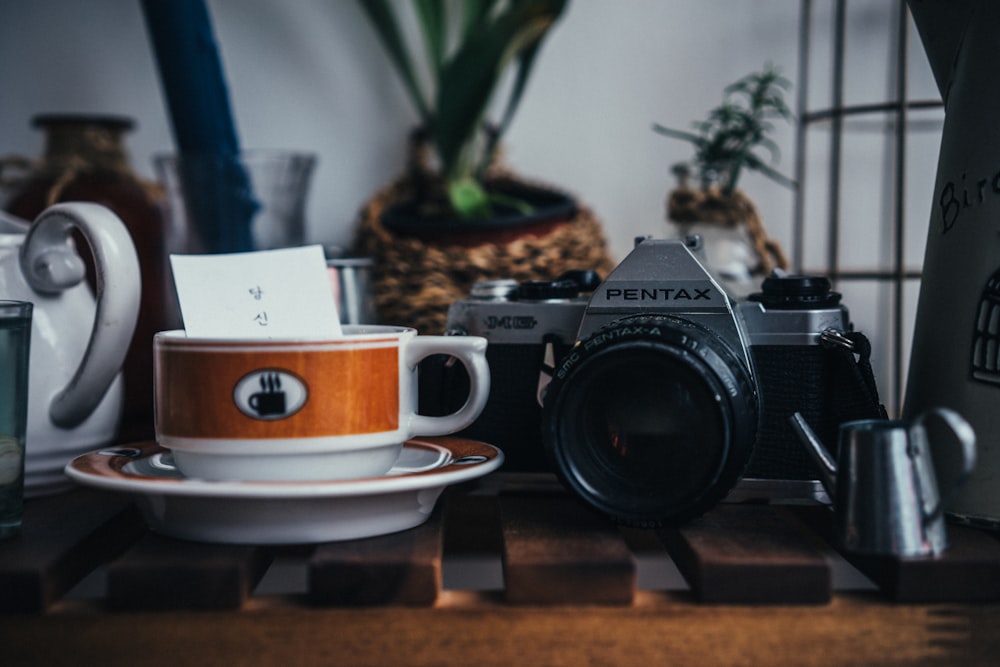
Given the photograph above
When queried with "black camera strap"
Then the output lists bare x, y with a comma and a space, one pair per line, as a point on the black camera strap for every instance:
854, 379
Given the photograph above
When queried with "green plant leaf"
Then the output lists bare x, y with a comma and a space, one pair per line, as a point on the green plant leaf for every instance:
727, 139
774, 175
471, 75
676, 134
525, 63
476, 14
434, 23
468, 198
491, 35
382, 18
771, 147
516, 203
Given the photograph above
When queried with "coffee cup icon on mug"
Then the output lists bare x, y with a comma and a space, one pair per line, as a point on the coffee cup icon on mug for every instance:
281, 410
270, 394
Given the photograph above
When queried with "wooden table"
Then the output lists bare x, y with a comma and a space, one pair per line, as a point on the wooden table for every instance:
506, 572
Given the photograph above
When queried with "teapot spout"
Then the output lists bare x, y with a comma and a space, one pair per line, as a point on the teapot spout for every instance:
827, 468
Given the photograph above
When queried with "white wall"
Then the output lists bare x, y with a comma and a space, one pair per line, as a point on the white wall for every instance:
308, 74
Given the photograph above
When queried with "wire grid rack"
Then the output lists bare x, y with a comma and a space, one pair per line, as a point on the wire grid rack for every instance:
897, 118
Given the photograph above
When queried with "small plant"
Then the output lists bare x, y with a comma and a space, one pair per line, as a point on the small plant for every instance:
469, 46
730, 138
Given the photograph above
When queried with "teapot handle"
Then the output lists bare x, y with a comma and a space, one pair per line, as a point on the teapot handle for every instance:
48, 268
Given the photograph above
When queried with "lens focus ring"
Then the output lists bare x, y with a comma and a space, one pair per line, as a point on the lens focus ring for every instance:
650, 420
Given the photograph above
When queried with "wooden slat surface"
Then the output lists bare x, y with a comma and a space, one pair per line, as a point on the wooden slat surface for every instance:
163, 573
465, 629
555, 551
570, 594
968, 571
749, 554
401, 568
63, 538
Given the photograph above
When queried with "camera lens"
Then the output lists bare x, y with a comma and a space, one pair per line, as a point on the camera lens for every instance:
650, 420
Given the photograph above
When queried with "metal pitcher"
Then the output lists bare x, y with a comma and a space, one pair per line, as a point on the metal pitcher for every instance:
885, 491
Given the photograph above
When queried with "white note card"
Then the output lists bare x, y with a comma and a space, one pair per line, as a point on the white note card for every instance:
282, 293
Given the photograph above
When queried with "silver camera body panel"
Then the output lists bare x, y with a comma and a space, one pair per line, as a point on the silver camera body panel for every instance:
494, 311
664, 277
769, 326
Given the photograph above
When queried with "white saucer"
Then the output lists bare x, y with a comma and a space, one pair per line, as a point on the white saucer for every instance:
286, 512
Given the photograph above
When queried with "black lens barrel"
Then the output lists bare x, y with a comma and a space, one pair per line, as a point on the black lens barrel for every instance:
650, 420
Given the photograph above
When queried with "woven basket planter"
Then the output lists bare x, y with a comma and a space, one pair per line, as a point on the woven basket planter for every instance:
416, 278
710, 206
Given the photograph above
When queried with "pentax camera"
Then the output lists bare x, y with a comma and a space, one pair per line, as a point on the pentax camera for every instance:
668, 393
529, 325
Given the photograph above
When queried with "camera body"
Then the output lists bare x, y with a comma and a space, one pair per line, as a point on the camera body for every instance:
664, 392
524, 323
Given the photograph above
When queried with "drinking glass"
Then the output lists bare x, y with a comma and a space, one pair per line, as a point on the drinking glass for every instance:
252, 201
15, 342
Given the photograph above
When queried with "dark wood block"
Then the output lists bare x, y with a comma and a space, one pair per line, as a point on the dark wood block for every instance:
165, 573
968, 571
749, 554
472, 524
556, 551
63, 538
400, 568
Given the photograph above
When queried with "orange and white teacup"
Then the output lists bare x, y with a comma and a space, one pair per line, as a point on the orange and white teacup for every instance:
282, 410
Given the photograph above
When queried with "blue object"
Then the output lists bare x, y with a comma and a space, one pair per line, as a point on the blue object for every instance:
220, 201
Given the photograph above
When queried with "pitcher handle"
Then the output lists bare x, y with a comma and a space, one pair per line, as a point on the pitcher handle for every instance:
966, 437
118, 293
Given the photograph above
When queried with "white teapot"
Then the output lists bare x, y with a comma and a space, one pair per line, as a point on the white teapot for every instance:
77, 345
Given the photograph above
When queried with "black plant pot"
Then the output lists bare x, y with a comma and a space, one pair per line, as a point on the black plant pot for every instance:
432, 220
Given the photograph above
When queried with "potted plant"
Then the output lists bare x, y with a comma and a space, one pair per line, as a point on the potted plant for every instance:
733, 137
457, 214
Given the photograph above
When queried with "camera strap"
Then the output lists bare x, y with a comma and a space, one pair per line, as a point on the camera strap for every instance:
854, 379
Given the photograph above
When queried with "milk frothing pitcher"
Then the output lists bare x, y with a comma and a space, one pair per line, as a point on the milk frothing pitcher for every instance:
886, 496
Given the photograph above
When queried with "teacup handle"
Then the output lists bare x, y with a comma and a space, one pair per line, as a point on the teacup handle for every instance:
966, 438
50, 267
471, 351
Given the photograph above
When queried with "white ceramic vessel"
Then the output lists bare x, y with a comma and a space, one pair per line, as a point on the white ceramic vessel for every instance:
77, 344
286, 512
302, 409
